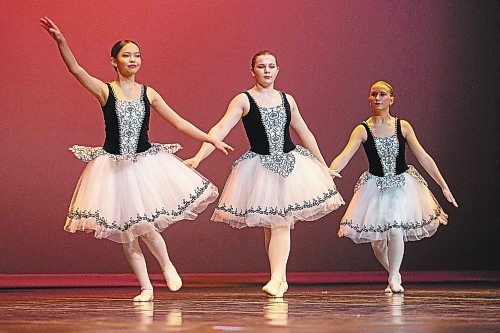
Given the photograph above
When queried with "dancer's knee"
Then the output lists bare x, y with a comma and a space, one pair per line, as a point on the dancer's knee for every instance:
281, 230
379, 247
150, 236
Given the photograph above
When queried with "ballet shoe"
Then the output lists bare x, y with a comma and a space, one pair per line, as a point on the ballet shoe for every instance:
174, 281
396, 288
272, 288
146, 295
395, 285
282, 289
388, 290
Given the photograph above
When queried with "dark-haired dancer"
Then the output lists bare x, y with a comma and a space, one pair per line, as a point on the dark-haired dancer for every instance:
391, 202
133, 188
276, 183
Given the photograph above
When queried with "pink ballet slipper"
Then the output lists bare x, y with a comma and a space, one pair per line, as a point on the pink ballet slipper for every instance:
146, 295
282, 289
174, 281
272, 287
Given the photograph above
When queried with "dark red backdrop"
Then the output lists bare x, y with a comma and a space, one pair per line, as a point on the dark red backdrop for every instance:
438, 56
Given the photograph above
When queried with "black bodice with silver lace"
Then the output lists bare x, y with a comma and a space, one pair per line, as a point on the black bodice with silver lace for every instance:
268, 128
127, 124
268, 131
386, 157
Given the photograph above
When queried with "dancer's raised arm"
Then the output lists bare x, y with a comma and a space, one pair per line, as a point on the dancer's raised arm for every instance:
95, 86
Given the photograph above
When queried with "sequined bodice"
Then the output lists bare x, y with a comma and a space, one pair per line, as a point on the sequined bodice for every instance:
269, 135
387, 149
130, 116
274, 121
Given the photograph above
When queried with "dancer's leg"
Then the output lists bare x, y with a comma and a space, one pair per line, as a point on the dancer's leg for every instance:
380, 251
396, 249
136, 260
156, 244
278, 252
267, 239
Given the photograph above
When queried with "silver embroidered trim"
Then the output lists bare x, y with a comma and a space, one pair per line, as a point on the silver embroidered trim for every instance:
151, 217
391, 181
303, 151
280, 163
246, 155
365, 176
276, 211
274, 121
387, 150
130, 116
412, 171
88, 154
438, 215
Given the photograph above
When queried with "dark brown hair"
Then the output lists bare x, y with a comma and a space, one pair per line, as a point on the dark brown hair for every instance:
119, 45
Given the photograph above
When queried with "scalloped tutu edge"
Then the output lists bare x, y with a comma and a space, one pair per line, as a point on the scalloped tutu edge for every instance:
160, 223
121, 201
374, 215
255, 196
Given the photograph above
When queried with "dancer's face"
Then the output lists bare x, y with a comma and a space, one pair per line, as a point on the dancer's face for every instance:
265, 70
380, 98
128, 60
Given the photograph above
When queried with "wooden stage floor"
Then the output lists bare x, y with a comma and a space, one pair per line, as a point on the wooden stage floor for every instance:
451, 307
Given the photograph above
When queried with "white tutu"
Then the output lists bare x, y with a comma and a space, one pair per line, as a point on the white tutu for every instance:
121, 197
375, 214
256, 196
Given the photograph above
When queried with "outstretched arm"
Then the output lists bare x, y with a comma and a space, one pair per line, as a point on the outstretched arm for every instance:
426, 160
305, 135
182, 124
95, 86
237, 107
358, 135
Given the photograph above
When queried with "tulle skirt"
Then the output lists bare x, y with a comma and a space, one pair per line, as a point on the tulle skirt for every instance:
122, 197
410, 209
257, 196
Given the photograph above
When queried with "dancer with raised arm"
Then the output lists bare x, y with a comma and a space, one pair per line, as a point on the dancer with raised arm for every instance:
132, 188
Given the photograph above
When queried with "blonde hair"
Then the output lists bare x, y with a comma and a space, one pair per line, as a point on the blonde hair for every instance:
384, 83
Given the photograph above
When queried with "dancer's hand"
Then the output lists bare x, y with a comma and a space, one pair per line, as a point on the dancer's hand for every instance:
51, 28
222, 146
334, 173
192, 162
449, 196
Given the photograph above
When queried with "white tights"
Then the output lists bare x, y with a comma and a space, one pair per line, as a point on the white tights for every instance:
277, 243
156, 244
389, 252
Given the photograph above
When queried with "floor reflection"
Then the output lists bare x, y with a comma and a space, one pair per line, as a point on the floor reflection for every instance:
276, 311
146, 316
174, 318
396, 302
243, 308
